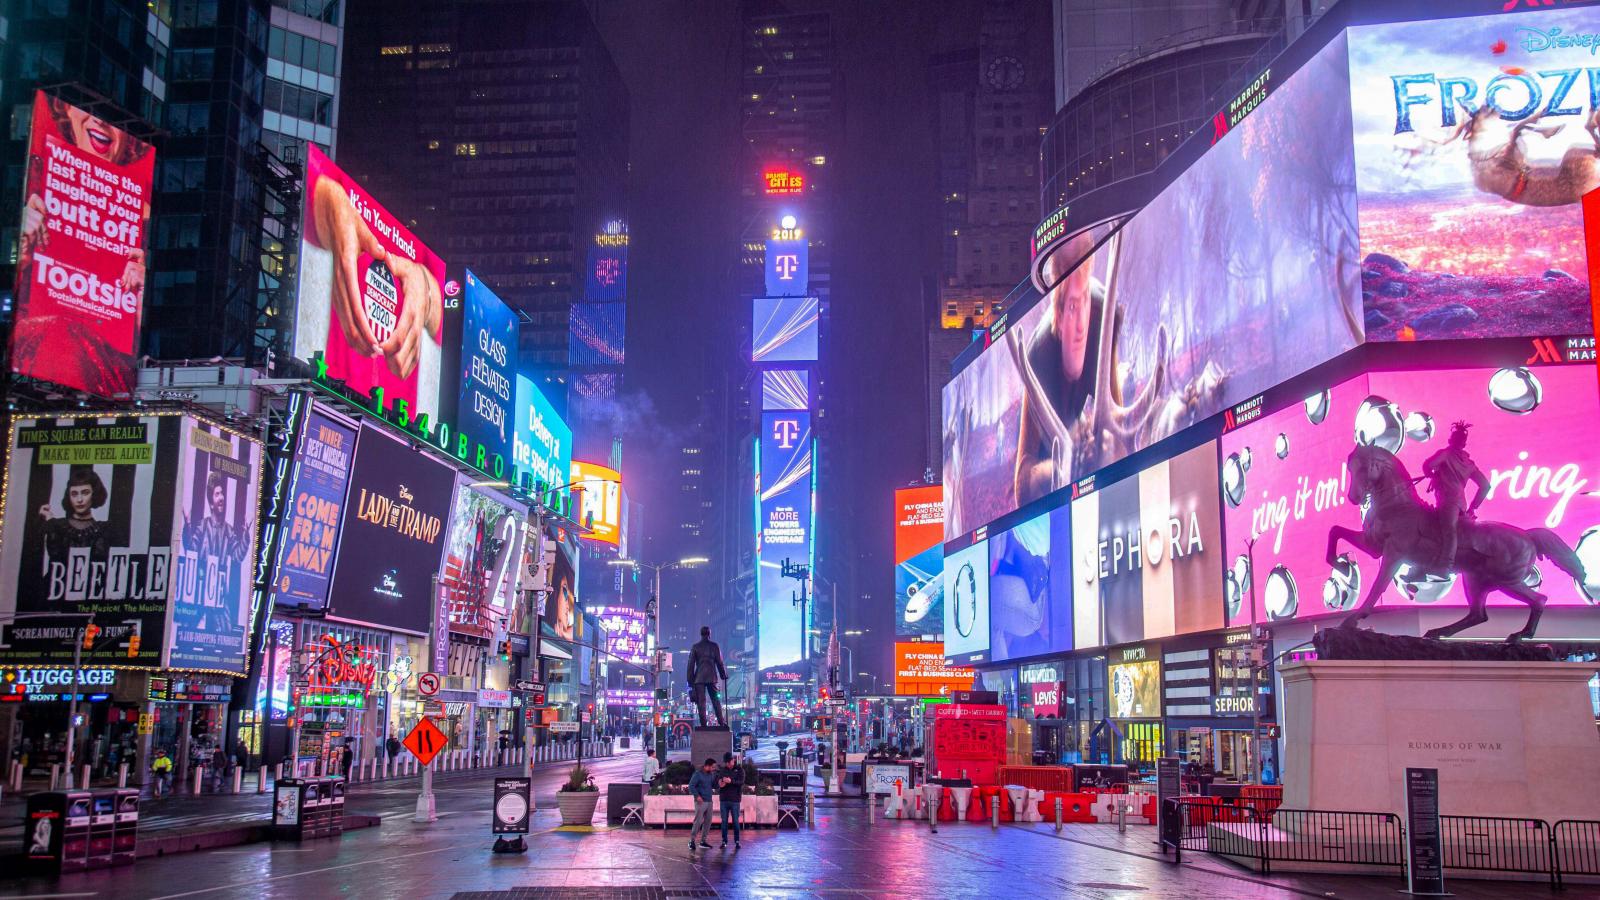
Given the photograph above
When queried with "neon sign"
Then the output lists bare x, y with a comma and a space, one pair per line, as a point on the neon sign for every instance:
783, 181
344, 663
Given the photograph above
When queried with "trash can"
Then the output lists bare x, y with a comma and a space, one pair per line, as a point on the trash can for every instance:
102, 828
288, 809
125, 837
335, 793
55, 835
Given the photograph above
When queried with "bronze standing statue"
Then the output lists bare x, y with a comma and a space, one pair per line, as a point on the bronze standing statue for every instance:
1399, 528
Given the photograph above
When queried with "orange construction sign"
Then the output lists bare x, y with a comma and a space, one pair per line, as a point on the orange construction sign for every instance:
425, 741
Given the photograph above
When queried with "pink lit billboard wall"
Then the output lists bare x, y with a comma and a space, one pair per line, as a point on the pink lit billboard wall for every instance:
1286, 482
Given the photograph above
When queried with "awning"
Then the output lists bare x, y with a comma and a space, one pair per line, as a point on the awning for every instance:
551, 649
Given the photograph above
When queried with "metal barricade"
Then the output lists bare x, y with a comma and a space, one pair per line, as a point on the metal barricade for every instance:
1494, 844
1574, 848
1290, 835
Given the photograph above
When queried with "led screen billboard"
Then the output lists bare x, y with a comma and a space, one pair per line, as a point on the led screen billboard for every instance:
920, 670
481, 552
606, 277
785, 389
1147, 553
1474, 144
1242, 273
597, 497
784, 329
561, 606
369, 293
309, 533
91, 516
488, 369
1135, 689
541, 445
785, 510
1030, 587
966, 607
597, 334
81, 251
919, 561
210, 608
392, 534
788, 267
625, 629
1292, 476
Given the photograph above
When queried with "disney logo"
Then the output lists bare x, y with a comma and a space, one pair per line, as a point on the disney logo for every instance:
1533, 40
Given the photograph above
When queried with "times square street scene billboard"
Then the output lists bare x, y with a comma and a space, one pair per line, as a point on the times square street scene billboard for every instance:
80, 250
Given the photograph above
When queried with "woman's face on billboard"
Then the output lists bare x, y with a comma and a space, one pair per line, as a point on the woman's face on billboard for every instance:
94, 135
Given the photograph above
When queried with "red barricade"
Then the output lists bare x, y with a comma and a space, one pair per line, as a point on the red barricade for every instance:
947, 806
1040, 778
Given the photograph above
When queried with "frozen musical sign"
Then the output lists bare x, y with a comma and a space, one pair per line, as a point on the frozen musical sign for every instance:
1504, 444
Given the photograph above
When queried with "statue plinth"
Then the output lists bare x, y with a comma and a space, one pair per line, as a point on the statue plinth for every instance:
1509, 738
709, 743
1358, 643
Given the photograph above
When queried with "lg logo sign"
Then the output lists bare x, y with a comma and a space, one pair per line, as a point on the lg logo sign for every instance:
786, 264
785, 432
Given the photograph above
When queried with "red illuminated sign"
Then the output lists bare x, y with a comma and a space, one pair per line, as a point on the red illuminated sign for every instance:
783, 181
344, 663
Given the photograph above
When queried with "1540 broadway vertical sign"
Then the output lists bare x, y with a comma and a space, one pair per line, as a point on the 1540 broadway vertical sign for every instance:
89, 527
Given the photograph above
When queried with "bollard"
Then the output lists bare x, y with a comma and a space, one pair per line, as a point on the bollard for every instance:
277, 772
1122, 815
872, 808
55, 776
199, 779
238, 778
1058, 815
85, 784
122, 775
994, 813
811, 809
261, 780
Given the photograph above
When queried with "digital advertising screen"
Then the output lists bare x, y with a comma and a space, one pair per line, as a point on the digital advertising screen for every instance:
785, 389
1147, 552
369, 293
310, 531
1240, 274
488, 369
597, 334
966, 607
1135, 689
1030, 587
392, 536
481, 552
561, 606
1294, 475
919, 561
1473, 149
625, 629
216, 548
785, 510
920, 671
541, 445
784, 329
91, 525
605, 279
81, 251
788, 267
597, 497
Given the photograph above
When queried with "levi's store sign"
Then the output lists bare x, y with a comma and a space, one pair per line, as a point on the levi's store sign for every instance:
1046, 699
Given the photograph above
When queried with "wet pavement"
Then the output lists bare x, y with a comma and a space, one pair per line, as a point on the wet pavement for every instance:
843, 855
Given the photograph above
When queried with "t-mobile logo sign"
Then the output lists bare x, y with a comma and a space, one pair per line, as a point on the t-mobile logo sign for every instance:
785, 432
786, 264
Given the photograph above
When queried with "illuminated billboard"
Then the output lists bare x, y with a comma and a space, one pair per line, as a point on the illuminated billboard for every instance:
541, 445
920, 670
1147, 553
605, 277
1242, 273
785, 389
369, 293
785, 509
309, 533
488, 368
788, 267
392, 536
783, 181
1474, 145
481, 551
597, 334
966, 606
1030, 587
80, 253
919, 561
1135, 687
625, 629
597, 499
784, 329
1291, 477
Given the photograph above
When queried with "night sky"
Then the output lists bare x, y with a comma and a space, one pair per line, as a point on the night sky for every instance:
681, 63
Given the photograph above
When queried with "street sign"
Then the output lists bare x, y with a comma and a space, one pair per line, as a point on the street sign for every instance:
428, 684
563, 727
1424, 844
535, 687
425, 741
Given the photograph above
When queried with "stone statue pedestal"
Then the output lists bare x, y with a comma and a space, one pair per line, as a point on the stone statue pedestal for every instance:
1508, 738
709, 742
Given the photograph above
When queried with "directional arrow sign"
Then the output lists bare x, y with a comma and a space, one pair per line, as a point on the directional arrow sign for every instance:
428, 684
535, 687
425, 741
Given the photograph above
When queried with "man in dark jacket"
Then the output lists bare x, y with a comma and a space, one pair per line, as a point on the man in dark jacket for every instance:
730, 789
700, 786
705, 668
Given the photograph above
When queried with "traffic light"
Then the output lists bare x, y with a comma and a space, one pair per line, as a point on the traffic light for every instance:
505, 650
133, 645
90, 632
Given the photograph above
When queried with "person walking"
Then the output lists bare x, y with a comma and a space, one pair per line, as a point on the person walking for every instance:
652, 767
162, 768
347, 759
730, 790
705, 669
219, 768
395, 747
701, 784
